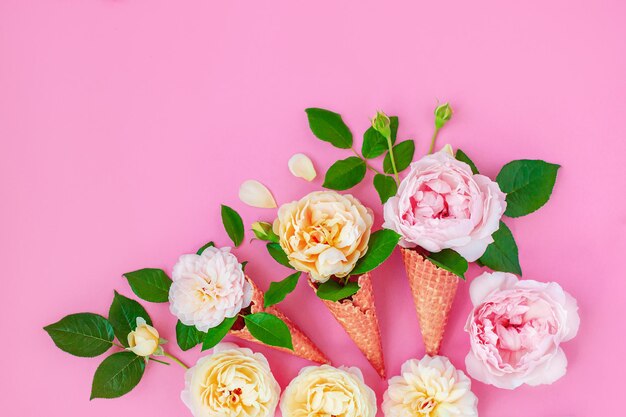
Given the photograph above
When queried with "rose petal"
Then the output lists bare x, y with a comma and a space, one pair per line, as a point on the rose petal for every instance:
255, 194
486, 283
301, 166
447, 148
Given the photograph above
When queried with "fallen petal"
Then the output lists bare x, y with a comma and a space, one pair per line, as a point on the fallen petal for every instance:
301, 166
255, 194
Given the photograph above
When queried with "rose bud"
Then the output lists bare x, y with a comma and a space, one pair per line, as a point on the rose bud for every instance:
144, 340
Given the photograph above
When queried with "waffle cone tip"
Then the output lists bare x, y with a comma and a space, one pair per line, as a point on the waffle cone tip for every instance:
433, 291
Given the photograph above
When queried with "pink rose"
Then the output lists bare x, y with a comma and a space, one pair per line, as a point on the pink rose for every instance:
441, 204
516, 329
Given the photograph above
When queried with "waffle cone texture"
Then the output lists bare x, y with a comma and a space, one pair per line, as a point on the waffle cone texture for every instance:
433, 292
303, 347
357, 315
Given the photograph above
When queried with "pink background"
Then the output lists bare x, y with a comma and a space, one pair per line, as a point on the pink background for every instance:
124, 124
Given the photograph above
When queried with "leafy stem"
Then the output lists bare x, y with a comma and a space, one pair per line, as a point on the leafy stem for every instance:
159, 361
367, 165
393, 159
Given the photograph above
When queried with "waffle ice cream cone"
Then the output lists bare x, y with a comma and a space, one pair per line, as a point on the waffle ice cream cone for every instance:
433, 291
302, 346
357, 316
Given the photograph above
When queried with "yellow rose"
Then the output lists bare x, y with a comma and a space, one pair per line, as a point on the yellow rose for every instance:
144, 340
328, 391
324, 234
231, 382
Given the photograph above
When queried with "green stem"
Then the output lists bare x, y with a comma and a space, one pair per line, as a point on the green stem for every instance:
156, 360
175, 359
367, 165
393, 160
433, 140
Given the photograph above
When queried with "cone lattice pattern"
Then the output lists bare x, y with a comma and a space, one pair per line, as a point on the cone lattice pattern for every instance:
358, 317
302, 345
433, 291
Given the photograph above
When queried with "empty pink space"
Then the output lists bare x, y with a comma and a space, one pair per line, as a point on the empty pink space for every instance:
124, 124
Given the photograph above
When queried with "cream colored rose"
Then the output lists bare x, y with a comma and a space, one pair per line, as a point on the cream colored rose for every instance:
324, 233
430, 387
144, 340
231, 382
328, 391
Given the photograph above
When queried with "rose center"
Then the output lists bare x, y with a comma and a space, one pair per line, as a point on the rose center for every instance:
426, 405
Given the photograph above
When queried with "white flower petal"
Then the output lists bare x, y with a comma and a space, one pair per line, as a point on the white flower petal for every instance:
447, 148
301, 166
255, 194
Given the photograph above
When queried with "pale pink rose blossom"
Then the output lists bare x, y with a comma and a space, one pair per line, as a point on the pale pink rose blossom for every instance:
208, 288
442, 205
516, 329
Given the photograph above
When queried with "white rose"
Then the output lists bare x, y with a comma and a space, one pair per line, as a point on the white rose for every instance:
231, 382
328, 391
430, 387
324, 234
208, 288
144, 340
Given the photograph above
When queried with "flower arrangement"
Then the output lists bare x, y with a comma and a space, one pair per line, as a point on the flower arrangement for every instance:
442, 213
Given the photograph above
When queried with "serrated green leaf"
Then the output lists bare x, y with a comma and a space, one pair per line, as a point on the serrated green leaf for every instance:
450, 261
380, 247
502, 254
528, 185
330, 127
385, 186
462, 156
279, 255
374, 144
403, 153
333, 291
233, 225
150, 284
188, 337
269, 329
279, 289
216, 334
345, 173
206, 245
123, 315
117, 375
83, 334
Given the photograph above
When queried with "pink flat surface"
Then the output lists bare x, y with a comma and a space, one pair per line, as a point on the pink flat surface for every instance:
124, 124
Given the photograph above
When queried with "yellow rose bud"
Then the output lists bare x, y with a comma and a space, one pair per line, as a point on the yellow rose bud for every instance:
144, 340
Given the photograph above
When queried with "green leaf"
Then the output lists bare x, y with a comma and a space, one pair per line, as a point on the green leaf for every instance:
386, 187
117, 375
502, 255
462, 156
329, 126
83, 334
374, 144
528, 185
380, 247
233, 225
269, 329
264, 231
345, 173
188, 337
217, 333
206, 245
450, 261
123, 315
393, 125
279, 255
333, 291
403, 152
243, 265
150, 284
279, 290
